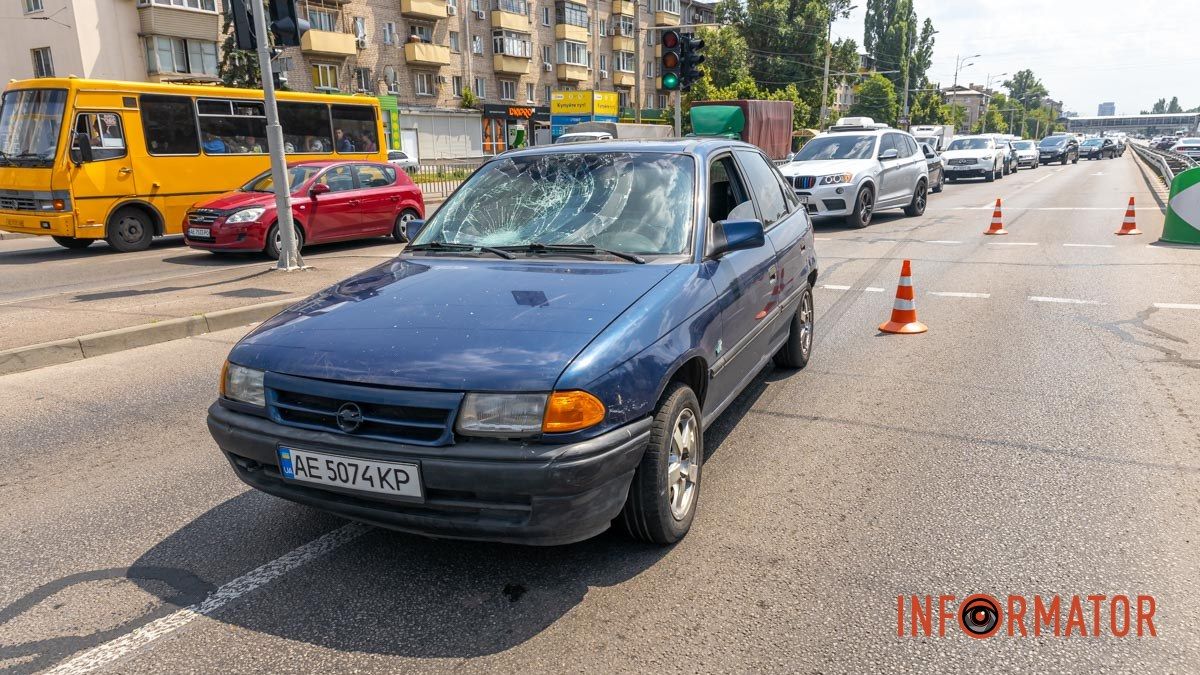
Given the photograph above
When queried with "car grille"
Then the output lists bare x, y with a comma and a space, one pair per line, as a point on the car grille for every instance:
18, 204
204, 216
804, 182
396, 415
961, 162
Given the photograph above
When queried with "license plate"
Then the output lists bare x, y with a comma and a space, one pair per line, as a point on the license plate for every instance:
400, 479
198, 232
804, 199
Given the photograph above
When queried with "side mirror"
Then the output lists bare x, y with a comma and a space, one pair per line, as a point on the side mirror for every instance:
81, 149
735, 235
890, 153
317, 189
414, 228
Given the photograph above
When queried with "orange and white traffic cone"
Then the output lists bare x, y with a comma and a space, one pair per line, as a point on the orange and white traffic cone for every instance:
1130, 224
904, 312
997, 221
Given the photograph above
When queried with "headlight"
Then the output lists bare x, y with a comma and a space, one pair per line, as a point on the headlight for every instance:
504, 415
242, 384
837, 179
246, 215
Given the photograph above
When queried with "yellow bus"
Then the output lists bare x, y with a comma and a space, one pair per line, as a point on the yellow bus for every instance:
82, 160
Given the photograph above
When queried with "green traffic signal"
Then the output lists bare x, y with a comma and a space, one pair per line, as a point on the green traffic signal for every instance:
670, 81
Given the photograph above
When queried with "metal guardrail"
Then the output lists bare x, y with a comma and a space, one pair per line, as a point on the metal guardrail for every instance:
438, 180
1167, 163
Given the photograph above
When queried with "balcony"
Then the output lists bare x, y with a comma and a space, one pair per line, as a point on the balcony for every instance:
177, 22
569, 31
328, 43
426, 54
624, 7
666, 19
512, 65
424, 9
569, 73
621, 43
623, 79
510, 21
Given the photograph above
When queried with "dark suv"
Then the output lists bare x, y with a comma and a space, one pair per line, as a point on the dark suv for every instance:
1060, 148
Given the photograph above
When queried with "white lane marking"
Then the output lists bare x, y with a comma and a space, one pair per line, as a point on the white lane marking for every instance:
1090, 245
1054, 208
1175, 305
989, 205
107, 653
1067, 301
823, 238
1043, 178
1013, 243
948, 294
1098, 173
941, 241
872, 289
836, 288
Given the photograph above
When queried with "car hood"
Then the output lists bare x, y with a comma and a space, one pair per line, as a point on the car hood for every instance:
968, 154
232, 201
450, 323
824, 167
1027, 153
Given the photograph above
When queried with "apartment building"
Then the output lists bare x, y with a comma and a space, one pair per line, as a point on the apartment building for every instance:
419, 56
137, 40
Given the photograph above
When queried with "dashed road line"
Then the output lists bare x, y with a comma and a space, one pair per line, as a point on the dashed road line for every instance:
836, 287
1012, 243
107, 653
872, 289
1089, 245
951, 294
1067, 301
1175, 305
941, 241
833, 287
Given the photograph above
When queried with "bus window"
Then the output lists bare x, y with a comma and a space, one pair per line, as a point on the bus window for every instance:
104, 132
305, 127
354, 129
170, 125
232, 127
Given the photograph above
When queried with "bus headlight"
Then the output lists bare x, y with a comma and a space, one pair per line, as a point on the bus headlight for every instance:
246, 215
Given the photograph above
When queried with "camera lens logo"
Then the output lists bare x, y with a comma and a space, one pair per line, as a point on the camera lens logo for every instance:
979, 616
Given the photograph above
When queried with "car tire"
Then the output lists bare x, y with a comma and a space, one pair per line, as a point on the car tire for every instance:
920, 200
273, 242
991, 175
662, 498
400, 229
940, 184
864, 209
796, 351
1065, 159
951, 179
72, 243
129, 229
1076, 160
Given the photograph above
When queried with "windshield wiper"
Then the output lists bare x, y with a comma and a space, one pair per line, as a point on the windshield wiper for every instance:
448, 246
577, 248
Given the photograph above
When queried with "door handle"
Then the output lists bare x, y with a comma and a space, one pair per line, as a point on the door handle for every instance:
124, 171
393, 198
771, 272
354, 202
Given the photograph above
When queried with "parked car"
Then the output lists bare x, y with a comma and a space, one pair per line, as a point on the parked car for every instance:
331, 201
1059, 148
857, 168
1012, 163
1027, 153
1098, 148
975, 157
937, 169
1121, 140
1188, 146
499, 380
401, 159
1166, 143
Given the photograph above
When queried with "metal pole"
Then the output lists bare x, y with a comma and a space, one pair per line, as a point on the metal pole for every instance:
637, 67
678, 113
825, 79
289, 256
906, 71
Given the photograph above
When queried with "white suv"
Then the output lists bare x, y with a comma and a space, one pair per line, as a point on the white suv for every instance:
857, 168
975, 157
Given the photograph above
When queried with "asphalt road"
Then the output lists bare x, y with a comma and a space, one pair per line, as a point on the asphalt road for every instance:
1042, 438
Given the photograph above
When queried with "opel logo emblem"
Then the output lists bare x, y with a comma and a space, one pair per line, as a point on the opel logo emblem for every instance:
349, 417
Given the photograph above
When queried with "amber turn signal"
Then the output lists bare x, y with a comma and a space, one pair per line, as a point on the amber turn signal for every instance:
571, 411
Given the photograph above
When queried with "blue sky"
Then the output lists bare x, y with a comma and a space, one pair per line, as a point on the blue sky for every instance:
1084, 51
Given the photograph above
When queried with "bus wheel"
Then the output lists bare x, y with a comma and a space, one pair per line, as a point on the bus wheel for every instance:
130, 230
72, 242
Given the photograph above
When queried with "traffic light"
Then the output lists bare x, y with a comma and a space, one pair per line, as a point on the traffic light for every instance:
285, 23
671, 62
243, 24
690, 58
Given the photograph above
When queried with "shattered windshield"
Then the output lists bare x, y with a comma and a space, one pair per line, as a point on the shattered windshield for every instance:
638, 203
30, 120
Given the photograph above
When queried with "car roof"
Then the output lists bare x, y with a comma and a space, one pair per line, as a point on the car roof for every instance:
692, 145
330, 162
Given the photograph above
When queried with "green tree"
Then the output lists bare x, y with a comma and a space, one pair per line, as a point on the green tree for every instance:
992, 121
237, 68
727, 56
876, 98
929, 108
890, 36
1173, 106
922, 57
1026, 88
1160, 107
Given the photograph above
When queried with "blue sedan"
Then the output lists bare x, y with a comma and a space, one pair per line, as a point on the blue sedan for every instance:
544, 358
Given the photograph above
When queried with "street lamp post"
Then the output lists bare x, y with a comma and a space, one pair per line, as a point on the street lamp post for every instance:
987, 87
828, 55
958, 66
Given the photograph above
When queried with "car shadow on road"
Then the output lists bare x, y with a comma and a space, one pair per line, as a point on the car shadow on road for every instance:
830, 225
200, 258
53, 252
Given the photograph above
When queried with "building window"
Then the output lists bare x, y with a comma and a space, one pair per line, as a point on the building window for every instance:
649, 70
177, 55
573, 53
623, 61
33, 6
603, 62
362, 79
603, 27
43, 65
424, 84
281, 64
513, 6
508, 90
476, 6
546, 90
455, 45
325, 77
529, 92
650, 37
480, 88
391, 80
389, 32
511, 43
360, 27
476, 44
206, 5
545, 16
547, 54
662, 100
571, 14
671, 6
423, 31
322, 19
452, 4
456, 83
625, 26
622, 98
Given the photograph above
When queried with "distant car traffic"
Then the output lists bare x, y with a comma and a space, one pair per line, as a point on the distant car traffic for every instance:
1098, 148
1027, 153
331, 201
401, 159
857, 168
1188, 146
975, 157
937, 169
1166, 143
1059, 148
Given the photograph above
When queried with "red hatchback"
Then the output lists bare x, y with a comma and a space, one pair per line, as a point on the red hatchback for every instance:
331, 201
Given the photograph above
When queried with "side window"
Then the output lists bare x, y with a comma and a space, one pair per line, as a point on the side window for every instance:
169, 123
339, 179
104, 132
912, 145
887, 142
232, 127
372, 176
763, 185
305, 127
929, 153
727, 197
354, 129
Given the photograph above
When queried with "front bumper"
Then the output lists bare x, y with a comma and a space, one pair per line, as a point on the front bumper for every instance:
223, 237
967, 170
1028, 160
829, 200
27, 222
1052, 156
542, 495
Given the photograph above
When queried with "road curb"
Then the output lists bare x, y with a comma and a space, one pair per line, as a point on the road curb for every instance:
55, 352
15, 235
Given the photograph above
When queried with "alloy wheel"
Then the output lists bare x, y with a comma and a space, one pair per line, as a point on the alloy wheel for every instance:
683, 467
